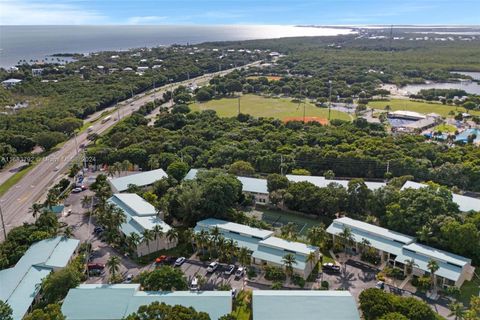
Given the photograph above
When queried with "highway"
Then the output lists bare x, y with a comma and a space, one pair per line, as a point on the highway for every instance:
17, 201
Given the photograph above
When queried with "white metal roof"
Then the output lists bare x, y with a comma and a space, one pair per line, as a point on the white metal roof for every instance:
283, 244
235, 227
134, 202
322, 182
139, 179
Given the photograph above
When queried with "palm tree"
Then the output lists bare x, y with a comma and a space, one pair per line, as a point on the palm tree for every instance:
215, 233
288, 261
133, 240
68, 232
36, 209
244, 256
157, 233
424, 233
289, 231
311, 259
126, 165
87, 201
111, 171
172, 235
346, 238
51, 200
365, 244
113, 265
433, 267
147, 236
457, 310
316, 235
409, 264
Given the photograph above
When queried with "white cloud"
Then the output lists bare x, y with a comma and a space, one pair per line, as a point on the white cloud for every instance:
14, 12
146, 20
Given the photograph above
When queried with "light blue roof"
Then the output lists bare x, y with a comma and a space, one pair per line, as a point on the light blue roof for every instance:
108, 302
191, 174
140, 215
322, 182
19, 284
282, 244
463, 137
273, 255
142, 179
438, 254
254, 185
464, 203
241, 240
304, 305
235, 228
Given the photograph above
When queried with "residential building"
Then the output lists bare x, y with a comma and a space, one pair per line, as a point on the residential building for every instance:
114, 302
142, 179
37, 72
395, 249
20, 285
141, 216
253, 186
304, 305
464, 203
9, 83
323, 182
266, 249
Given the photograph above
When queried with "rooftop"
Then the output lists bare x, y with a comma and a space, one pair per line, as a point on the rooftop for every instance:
117, 301
298, 247
133, 203
464, 203
139, 179
322, 182
303, 304
235, 228
255, 185
437, 254
19, 284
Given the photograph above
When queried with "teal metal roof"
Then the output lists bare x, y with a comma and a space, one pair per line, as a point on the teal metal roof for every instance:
369, 229
282, 244
133, 203
276, 256
242, 241
322, 182
19, 284
139, 179
304, 305
254, 185
235, 228
438, 254
108, 302
464, 203
140, 215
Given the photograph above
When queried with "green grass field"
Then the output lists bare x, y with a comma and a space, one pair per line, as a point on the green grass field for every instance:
446, 128
418, 106
14, 179
258, 106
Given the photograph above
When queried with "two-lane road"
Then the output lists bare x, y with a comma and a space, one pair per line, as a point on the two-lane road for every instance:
15, 203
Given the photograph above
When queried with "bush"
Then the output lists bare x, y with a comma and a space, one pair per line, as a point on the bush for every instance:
325, 285
277, 285
274, 273
251, 273
298, 280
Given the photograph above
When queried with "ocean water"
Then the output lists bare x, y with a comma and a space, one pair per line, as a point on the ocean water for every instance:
469, 86
38, 42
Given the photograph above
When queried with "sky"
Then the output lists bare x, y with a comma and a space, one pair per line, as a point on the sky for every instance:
215, 12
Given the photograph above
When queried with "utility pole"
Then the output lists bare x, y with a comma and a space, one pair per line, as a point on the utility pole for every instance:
3, 225
238, 104
329, 99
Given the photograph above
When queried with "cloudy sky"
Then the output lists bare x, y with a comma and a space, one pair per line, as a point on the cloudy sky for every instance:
290, 12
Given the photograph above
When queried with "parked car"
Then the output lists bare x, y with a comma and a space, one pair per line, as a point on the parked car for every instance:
239, 273
94, 272
77, 190
330, 267
83, 187
194, 284
180, 261
97, 230
230, 269
93, 266
170, 260
161, 259
380, 285
129, 278
212, 267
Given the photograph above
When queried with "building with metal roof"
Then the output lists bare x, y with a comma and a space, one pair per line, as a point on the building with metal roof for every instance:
464, 203
142, 179
396, 249
303, 304
254, 186
10, 82
140, 216
20, 284
322, 182
114, 302
265, 248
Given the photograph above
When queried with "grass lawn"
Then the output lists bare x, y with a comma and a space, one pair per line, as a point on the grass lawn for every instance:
418, 106
14, 179
279, 218
445, 128
259, 106
468, 290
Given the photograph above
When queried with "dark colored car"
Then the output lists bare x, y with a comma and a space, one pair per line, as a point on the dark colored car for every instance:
170, 260
330, 267
95, 266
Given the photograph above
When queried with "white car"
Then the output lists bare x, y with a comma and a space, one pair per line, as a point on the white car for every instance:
77, 190
212, 267
129, 278
179, 261
194, 284
239, 273
230, 269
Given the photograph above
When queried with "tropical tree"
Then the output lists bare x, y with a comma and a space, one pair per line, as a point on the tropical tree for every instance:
87, 201
316, 235
172, 235
346, 238
311, 259
147, 236
409, 265
289, 231
157, 233
68, 232
133, 240
288, 261
433, 267
5, 311
36, 209
457, 310
113, 265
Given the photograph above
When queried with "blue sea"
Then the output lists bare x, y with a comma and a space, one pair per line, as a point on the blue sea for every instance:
37, 42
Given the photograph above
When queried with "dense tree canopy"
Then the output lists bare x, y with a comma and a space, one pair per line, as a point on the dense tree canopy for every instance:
162, 311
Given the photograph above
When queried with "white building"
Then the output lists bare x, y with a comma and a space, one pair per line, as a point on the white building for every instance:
142, 179
9, 83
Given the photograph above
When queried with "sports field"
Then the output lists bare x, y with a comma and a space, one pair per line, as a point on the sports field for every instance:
418, 106
258, 106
